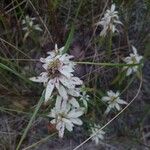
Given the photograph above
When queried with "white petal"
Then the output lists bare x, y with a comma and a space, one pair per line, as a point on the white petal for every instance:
45, 66
37, 27
117, 94
113, 7
56, 47
113, 28
134, 50
85, 103
117, 22
100, 136
108, 110
61, 49
69, 127
64, 107
75, 113
65, 58
76, 121
66, 82
38, 79
76, 81
73, 92
122, 101
53, 121
60, 127
135, 69
52, 113
106, 98
66, 71
110, 93
96, 139
118, 107
62, 92
129, 71
127, 59
24, 28
58, 102
74, 102
49, 90
68, 124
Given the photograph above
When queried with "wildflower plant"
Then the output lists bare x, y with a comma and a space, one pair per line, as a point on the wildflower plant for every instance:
113, 100
28, 24
68, 102
60, 83
58, 74
68, 91
132, 59
97, 134
109, 21
65, 117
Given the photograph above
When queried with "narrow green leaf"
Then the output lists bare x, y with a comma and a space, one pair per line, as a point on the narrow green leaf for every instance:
70, 37
14, 72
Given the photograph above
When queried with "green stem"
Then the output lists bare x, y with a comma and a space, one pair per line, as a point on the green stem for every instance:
110, 45
107, 64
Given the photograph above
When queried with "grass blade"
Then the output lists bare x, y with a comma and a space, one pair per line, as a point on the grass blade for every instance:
14, 72
70, 37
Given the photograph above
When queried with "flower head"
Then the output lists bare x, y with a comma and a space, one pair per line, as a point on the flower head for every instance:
109, 21
97, 134
64, 117
113, 100
58, 74
29, 25
134, 58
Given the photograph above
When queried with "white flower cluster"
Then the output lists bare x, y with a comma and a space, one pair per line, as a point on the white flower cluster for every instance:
65, 116
28, 24
97, 134
109, 21
134, 58
60, 82
113, 100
